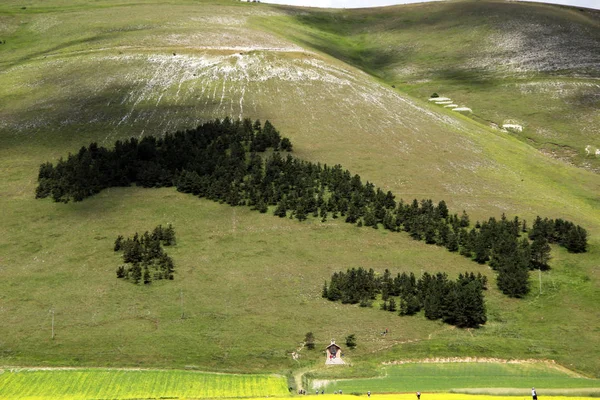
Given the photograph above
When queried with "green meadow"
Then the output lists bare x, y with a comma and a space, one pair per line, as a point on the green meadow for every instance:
528, 64
247, 286
458, 376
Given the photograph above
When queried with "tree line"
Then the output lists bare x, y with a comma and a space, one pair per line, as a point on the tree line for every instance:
225, 161
144, 257
458, 302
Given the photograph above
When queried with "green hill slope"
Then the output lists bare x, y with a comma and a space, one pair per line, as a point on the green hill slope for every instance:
514, 63
72, 73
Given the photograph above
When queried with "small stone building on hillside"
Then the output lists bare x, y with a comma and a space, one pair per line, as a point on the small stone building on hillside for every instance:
334, 354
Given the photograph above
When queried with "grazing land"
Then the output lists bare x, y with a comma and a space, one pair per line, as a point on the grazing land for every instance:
497, 377
249, 285
515, 63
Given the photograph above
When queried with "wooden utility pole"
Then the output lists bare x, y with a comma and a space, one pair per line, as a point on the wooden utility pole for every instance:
181, 299
540, 276
52, 312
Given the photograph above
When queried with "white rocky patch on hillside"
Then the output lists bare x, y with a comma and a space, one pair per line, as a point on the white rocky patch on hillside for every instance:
314, 102
520, 46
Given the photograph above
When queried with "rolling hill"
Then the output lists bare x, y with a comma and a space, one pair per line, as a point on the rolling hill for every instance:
73, 72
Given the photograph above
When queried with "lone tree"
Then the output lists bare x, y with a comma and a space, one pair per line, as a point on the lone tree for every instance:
309, 341
351, 341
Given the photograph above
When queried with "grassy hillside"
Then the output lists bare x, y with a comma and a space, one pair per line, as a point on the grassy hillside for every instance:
528, 64
73, 72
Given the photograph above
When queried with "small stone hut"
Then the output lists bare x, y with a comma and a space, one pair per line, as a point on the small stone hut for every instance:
334, 354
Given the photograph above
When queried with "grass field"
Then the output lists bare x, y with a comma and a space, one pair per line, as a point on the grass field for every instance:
141, 384
514, 379
529, 64
76, 72
454, 376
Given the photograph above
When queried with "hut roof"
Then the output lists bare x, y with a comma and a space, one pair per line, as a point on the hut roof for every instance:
332, 345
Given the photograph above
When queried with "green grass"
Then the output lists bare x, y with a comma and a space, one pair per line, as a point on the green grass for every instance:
124, 384
72, 73
451, 376
509, 62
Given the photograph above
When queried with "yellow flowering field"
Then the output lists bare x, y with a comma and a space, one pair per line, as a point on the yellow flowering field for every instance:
72, 384
429, 396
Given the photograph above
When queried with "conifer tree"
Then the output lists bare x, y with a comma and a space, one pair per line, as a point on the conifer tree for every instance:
540, 253
512, 266
452, 244
309, 341
392, 305
281, 210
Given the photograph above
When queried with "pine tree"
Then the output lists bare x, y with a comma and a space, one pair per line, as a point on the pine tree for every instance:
370, 219
392, 305
512, 266
464, 220
482, 253
452, 244
309, 341
136, 273
323, 214
118, 243
147, 278
384, 305
301, 211
281, 210
261, 206
470, 306
351, 341
121, 272
168, 236
540, 253
576, 241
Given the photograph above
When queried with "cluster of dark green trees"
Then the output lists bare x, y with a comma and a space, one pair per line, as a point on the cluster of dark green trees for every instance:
457, 302
224, 160
565, 233
208, 159
144, 257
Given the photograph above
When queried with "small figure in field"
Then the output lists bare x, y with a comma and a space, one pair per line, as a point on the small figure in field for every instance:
418, 395
533, 394
317, 392
369, 393
323, 391
340, 391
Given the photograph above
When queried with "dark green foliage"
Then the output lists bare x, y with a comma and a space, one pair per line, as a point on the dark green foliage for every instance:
540, 253
466, 305
222, 161
309, 341
351, 341
409, 305
281, 210
392, 306
118, 243
384, 305
353, 286
452, 244
511, 261
145, 258
565, 233
459, 303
